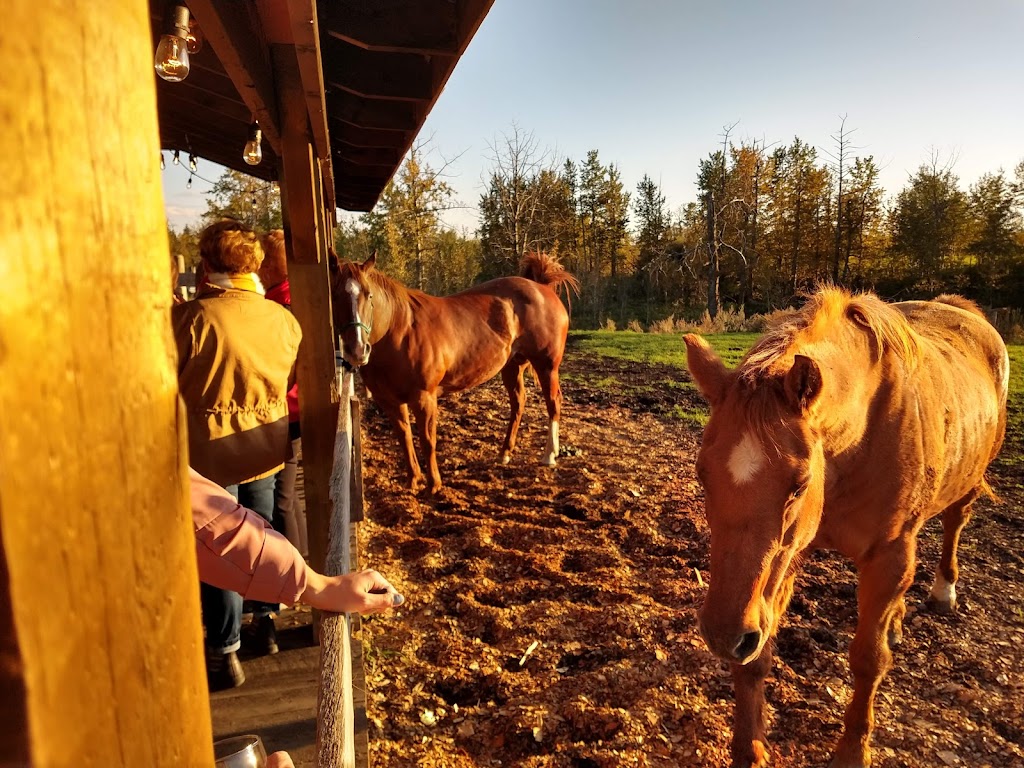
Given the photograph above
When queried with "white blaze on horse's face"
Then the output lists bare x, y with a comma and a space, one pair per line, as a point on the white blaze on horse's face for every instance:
360, 352
746, 459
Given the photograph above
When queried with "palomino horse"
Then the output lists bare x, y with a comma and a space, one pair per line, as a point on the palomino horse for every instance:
846, 428
425, 346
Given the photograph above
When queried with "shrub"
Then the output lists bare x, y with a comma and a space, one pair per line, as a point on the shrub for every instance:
634, 325
668, 325
609, 325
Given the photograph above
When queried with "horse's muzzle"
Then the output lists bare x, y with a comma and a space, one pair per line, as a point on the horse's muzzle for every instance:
736, 647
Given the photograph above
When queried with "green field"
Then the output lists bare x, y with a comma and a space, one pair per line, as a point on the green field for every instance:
669, 349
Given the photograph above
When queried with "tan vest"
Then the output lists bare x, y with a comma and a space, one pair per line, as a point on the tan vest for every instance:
236, 354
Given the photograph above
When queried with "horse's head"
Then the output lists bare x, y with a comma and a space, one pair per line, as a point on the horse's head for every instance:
352, 305
762, 467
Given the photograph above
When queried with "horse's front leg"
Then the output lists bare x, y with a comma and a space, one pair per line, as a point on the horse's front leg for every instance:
884, 578
399, 416
512, 378
749, 743
425, 410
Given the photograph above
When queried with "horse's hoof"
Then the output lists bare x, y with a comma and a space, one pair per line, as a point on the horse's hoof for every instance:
941, 607
895, 634
549, 460
506, 457
755, 756
854, 757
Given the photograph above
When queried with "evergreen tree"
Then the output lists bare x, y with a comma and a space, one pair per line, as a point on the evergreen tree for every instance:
930, 220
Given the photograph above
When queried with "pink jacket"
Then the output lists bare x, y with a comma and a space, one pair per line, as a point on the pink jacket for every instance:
238, 550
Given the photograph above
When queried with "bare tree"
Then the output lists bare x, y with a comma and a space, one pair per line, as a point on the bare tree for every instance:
514, 205
840, 162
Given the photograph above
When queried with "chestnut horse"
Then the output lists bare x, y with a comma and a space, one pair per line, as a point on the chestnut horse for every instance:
425, 346
846, 428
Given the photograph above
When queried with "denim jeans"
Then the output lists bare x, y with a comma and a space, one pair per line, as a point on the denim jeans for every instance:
222, 609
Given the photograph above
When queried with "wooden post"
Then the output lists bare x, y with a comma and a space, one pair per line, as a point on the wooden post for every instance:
311, 300
336, 715
100, 633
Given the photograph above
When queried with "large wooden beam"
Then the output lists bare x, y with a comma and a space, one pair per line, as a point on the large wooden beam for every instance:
232, 29
306, 37
306, 241
100, 626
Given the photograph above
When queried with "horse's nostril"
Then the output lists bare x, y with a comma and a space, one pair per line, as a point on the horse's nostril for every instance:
747, 645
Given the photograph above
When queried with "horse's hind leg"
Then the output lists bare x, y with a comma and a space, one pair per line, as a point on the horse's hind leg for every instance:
942, 598
547, 375
512, 378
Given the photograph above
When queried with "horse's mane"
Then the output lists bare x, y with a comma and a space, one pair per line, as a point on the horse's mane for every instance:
960, 302
831, 305
392, 289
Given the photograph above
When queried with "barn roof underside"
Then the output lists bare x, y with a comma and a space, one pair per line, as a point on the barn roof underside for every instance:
370, 77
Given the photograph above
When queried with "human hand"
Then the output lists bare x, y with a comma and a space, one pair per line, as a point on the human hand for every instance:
364, 592
280, 760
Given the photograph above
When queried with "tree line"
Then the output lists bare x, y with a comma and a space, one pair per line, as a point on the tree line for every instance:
769, 223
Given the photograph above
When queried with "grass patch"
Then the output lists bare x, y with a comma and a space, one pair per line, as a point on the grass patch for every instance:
697, 416
660, 348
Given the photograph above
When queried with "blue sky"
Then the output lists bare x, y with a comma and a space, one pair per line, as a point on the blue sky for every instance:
651, 83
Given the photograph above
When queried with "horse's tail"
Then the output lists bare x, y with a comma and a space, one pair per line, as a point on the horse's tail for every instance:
959, 301
547, 270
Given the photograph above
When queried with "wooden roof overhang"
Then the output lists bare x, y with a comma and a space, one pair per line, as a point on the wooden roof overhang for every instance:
371, 71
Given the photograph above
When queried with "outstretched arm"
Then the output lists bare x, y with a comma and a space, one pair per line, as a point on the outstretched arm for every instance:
238, 550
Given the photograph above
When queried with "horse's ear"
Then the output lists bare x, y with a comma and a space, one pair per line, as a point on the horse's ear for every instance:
706, 368
333, 262
803, 382
369, 263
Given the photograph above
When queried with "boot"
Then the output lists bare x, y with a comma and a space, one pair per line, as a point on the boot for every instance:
260, 636
223, 671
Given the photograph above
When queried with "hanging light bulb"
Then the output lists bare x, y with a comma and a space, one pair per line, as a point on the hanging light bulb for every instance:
192, 165
162, 163
254, 202
253, 153
175, 159
188, 184
171, 60
194, 39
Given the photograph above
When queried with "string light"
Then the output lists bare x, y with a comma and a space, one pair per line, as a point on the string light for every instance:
254, 202
194, 39
162, 163
175, 159
192, 166
253, 153
188, 184
171, 60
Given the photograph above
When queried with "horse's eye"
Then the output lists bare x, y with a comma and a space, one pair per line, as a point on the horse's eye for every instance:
798, 491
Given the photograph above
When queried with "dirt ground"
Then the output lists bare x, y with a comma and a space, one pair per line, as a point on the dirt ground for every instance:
551, 611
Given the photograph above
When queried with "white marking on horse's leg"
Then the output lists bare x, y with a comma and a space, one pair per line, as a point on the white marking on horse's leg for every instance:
746, 459
551, 454
943, 591
506, 457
